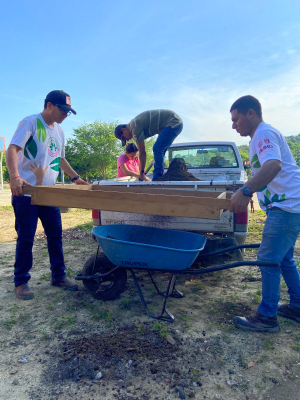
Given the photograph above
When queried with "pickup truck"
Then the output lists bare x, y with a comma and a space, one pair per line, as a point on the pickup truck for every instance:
219, 168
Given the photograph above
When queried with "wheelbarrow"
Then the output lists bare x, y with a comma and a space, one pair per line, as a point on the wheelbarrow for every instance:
132, 247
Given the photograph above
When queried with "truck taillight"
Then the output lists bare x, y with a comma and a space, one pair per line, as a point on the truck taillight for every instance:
95, 214
241, 218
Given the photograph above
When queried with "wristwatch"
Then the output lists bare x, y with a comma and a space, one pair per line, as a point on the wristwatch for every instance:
247, 191
75, 179
142, 171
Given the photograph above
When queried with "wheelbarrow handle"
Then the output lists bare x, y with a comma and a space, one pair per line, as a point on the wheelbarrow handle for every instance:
242, 246
228, 266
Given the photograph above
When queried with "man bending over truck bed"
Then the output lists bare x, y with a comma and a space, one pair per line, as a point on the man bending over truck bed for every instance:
166, 123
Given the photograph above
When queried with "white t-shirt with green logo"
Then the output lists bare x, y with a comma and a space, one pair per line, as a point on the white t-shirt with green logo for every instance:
42, 149
284, 190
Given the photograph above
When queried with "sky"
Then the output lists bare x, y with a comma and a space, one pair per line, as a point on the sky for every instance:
119, 58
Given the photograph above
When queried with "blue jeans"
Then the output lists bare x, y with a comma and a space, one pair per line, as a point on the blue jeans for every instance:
279, 237
26, 223
163, 142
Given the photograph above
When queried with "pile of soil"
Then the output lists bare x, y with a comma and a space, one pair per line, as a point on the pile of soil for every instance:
177, 172
80, 358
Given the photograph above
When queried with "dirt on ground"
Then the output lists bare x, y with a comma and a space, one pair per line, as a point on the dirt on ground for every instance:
177, 171
68, 345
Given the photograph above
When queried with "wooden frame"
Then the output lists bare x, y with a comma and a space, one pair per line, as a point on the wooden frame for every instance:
174, 203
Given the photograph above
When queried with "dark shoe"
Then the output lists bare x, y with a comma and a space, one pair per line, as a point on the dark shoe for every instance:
23, 292
65, 284
288, 311
257, 323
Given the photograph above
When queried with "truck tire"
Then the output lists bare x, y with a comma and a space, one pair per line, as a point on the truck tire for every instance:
109, 287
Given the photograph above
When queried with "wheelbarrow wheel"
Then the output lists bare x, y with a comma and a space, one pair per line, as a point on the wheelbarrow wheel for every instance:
109, 287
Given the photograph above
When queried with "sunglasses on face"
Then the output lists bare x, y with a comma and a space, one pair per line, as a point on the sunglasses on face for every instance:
64, 112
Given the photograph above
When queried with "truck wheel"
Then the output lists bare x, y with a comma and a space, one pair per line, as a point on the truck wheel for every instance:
109, 287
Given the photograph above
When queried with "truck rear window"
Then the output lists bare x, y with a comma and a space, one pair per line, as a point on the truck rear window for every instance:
205, 156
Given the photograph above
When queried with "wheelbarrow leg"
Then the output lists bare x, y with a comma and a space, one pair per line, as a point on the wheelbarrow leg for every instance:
165, 315
175, 292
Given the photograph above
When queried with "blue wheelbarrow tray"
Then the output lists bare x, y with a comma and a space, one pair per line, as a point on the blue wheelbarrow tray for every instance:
131, 247
134, 246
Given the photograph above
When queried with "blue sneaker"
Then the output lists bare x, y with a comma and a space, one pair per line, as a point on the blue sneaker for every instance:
257, 323
288, 311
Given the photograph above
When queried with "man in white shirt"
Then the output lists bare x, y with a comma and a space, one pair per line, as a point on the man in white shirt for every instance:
276, 180
34, 157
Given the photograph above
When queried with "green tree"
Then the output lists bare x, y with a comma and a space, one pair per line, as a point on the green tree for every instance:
94, 150
4, 169
244, 152
293, 138
295, 149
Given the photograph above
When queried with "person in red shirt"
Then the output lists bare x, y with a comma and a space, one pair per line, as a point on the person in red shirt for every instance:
128, 164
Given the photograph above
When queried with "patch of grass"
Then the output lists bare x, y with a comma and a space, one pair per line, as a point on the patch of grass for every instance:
24, 317
160, 328
87, 227
228, 328
268, 344
264, 358
243, 361
256, 297
297, 346
6, 208
213, 311
64, 321
45, 278
14, 308
44, 333
50, 307
125, 304
29, 336
260, 385
140, 330
105, 315
185, 318
233, 297
69, 272
10, 323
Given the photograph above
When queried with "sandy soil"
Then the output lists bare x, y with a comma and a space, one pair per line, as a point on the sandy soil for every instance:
55, 346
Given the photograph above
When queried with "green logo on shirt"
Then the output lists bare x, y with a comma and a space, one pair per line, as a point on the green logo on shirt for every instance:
53, 147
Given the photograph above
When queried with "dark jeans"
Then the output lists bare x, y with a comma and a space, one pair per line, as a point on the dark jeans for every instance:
26, 223
163, 142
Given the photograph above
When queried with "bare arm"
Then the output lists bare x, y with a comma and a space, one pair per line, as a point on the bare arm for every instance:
16, 182
142, 157
127, 172
66, 167
269, 170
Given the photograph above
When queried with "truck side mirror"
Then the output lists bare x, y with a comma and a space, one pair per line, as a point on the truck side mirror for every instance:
246, 165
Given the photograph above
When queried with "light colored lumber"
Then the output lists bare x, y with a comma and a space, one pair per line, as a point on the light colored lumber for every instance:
160, 190
153, 204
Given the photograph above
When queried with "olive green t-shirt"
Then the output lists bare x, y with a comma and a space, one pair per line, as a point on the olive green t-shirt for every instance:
149, 123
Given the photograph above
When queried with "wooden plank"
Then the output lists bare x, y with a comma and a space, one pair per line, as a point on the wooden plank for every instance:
158, 190
72, 186
154, 204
